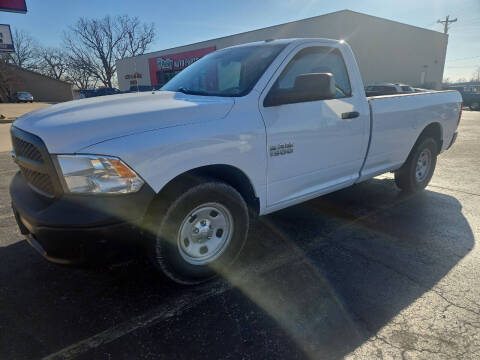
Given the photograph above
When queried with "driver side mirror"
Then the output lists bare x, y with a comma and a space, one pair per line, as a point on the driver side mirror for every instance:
307, 87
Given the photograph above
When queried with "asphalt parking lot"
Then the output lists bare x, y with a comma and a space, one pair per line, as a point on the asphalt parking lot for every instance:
363, 273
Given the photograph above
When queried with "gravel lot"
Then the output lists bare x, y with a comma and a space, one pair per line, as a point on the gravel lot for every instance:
364, 273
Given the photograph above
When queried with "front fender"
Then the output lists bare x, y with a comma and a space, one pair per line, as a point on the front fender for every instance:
162, 155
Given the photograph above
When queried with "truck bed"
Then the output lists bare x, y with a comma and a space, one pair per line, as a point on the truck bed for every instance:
397, 120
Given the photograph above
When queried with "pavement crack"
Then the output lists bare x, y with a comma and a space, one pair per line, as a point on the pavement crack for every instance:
451, 303
407, 276
454, 190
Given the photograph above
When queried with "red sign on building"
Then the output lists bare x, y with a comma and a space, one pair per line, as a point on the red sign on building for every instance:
163, 68
19, 6
136, 75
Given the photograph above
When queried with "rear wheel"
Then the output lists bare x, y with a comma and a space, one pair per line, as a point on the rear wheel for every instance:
201, 233
475, 106
418, 170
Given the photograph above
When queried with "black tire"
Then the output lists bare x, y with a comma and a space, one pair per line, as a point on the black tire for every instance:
475, 106
406, 177
166, 253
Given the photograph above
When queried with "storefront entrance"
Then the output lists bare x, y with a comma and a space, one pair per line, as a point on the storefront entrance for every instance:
164, 76
163, 68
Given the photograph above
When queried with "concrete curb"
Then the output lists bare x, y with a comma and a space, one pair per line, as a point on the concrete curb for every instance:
7, 121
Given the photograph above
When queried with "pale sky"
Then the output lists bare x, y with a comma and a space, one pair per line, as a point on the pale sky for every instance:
187, 21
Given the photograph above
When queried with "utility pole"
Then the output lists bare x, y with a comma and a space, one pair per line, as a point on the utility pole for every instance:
446, 23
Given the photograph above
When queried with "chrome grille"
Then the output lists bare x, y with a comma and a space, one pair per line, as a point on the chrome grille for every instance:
34, 167
40, 181
25, 149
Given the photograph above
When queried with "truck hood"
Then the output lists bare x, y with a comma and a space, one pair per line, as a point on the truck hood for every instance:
69, 127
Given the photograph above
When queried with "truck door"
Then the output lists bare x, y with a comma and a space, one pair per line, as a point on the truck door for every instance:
313, 147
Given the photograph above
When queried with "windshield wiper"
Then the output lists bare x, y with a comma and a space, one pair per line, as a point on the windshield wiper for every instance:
190, 91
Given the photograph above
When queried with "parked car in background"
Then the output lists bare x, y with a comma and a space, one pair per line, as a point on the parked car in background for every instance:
181, 171
23, 96
388, 89
382, 89
470, 98
406, 88
106, 91
143, 88
87, 93
421, 90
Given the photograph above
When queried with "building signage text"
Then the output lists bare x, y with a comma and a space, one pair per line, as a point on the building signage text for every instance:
170, 64
175, 62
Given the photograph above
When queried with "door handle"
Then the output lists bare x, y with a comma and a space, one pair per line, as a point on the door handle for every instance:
350, 115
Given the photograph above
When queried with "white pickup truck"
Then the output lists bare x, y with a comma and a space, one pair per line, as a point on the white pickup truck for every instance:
244, 131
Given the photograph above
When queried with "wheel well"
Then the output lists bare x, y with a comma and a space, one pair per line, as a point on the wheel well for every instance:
232, 176
226, 173
433, 130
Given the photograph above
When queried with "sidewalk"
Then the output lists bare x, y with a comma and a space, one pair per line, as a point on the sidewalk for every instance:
7, 120
5, 142
12, 111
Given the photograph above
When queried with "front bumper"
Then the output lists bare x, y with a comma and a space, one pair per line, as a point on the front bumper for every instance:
76, 228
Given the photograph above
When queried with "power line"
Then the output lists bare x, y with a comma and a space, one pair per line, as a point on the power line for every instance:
461, 67
467, 58
446, 23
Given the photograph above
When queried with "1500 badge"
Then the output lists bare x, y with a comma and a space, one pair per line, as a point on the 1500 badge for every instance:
281, 149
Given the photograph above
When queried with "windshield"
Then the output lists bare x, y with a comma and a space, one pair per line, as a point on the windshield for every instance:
229, 72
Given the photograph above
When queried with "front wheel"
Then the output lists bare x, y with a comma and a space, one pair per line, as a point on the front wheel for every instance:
418, 170
201, 233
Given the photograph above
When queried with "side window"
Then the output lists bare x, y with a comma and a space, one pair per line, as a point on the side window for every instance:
316, 60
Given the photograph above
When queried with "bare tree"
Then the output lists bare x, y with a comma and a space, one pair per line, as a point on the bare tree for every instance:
9, 80
99, 43
79, 75
52, 62
137, 37
25, 50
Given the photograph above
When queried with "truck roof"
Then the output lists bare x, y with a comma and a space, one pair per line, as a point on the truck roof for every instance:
288, 41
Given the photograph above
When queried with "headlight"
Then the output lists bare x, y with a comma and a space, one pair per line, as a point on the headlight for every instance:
98, 174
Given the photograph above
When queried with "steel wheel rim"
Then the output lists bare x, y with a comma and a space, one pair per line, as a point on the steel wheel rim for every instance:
423, 165
205, 233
